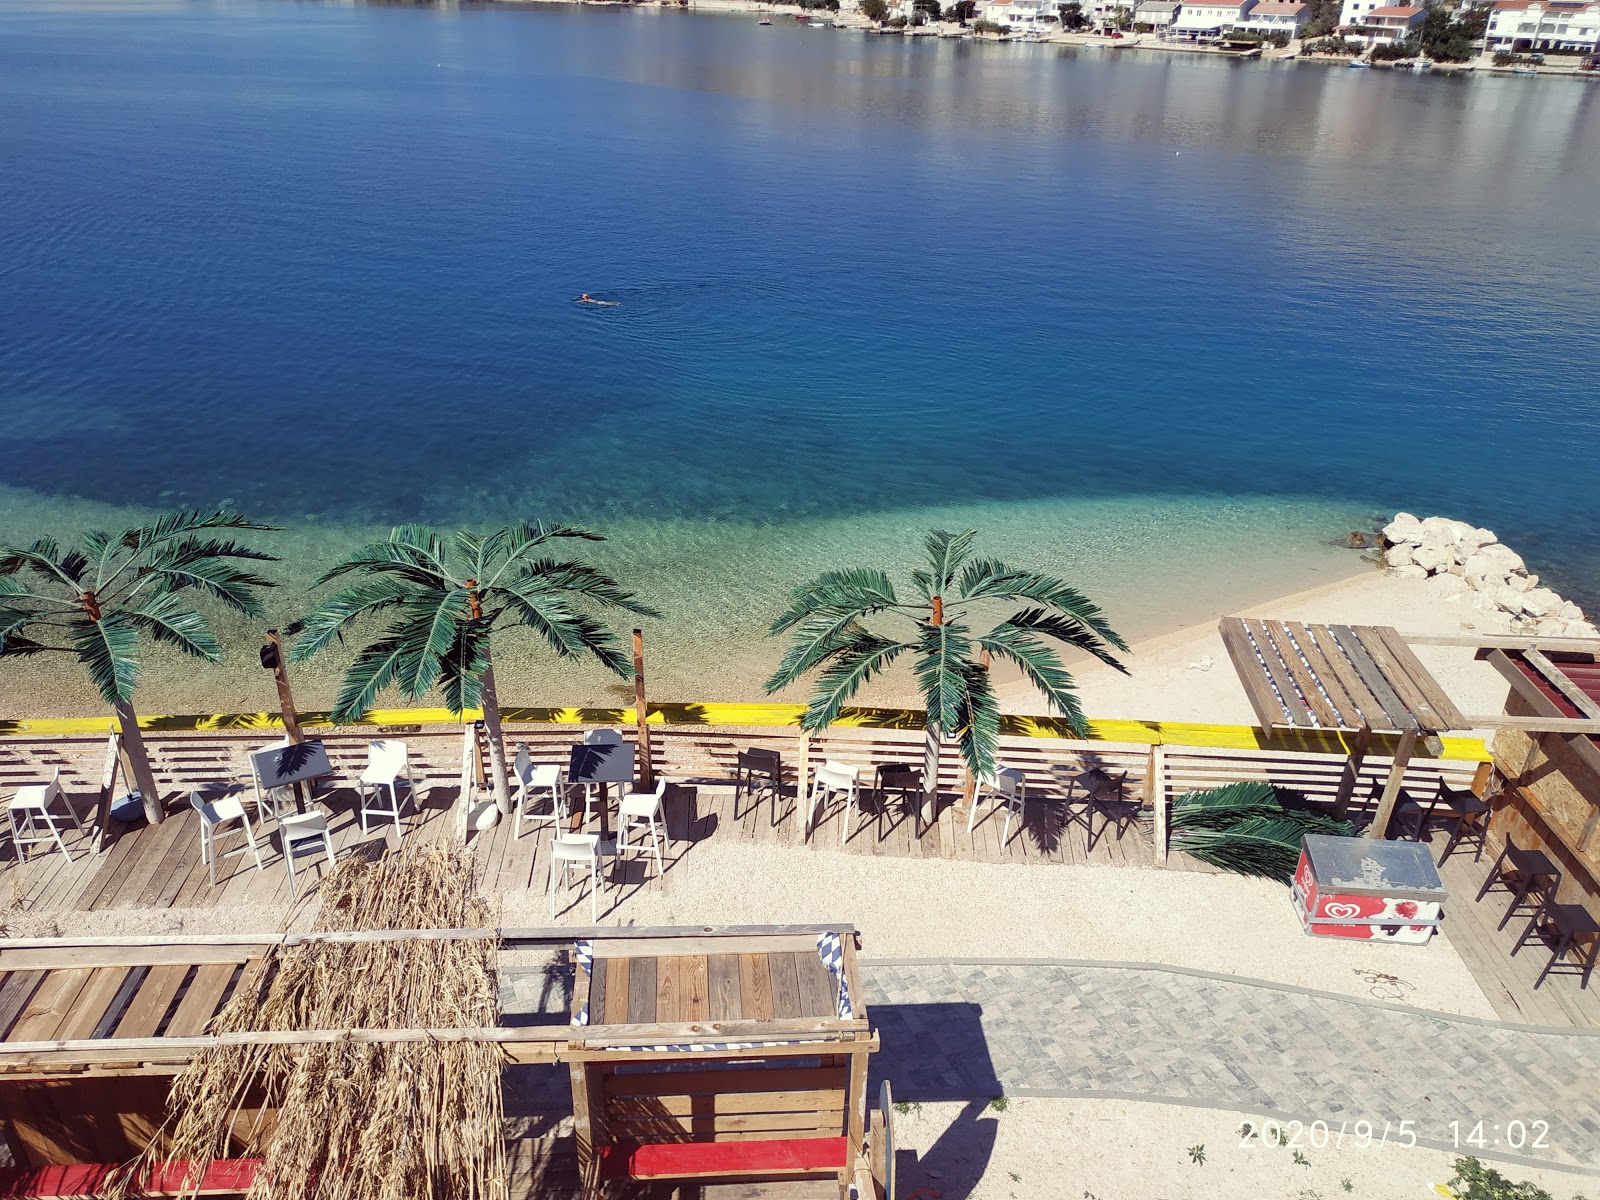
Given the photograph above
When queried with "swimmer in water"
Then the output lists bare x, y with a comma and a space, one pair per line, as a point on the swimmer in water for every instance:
588, 299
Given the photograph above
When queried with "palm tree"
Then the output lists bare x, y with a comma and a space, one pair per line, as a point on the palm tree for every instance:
829, 615
96, 602
443, 598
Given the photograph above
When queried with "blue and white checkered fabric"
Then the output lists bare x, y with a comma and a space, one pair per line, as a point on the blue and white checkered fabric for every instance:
830, 946
585, 953
704, 1047
581, 1017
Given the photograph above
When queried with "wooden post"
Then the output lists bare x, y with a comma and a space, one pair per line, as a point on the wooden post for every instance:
857, 1100
108, 790
642, 750
1156, 793
1481, 778
280, 676
1352, 772
1391, 789
801, 800
479, 775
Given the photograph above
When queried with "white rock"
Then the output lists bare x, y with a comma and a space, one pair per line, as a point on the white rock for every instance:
1404, 529
1541, 602
1410, 571
1205, 664
1486, 602
1443, 526
1473, 538
1400, 555
1569, 611
1506, 598
1520, 582
1495, 562
1582, 629
1433, 556
1450, 585
1551, 627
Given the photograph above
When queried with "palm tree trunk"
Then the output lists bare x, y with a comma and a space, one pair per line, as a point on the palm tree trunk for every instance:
497, 741
930, 775
144, 778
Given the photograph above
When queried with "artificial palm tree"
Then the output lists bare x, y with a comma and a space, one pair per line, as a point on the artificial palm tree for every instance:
443, 598
102, 597
829, 618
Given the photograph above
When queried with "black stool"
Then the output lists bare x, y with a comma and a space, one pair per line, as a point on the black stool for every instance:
1527, 867
758, 764
1471, 819
1565, 924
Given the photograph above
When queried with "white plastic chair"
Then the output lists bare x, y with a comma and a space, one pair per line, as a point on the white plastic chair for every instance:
214, 814
304, 833
530, 781
834, 778
1006, 786
387, 763
580, 850
30, 808
637, 812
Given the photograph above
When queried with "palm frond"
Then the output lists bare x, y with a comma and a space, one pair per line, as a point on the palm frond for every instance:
1264, 846
1217, 808
946, 552
43, 555
430, 625
978, 736
175, 524
516, 542
811, 643
942, 651
1065, 627
461, 670
856, 661
374, 669
580, 579
1043, 668
167, 619
856, 591
544, 608
327, 621
217, 577
109, 648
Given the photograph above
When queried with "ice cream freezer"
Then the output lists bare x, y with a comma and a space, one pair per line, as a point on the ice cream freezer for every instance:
1365, 888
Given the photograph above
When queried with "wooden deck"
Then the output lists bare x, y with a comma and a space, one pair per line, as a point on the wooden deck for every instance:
1507, 981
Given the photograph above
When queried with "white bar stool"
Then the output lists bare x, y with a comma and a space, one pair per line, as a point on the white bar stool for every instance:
30, 808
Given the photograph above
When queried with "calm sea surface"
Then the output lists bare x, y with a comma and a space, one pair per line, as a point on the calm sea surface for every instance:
1133, 313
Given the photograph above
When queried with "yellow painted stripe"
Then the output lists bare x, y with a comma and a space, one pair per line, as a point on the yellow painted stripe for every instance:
1151, 733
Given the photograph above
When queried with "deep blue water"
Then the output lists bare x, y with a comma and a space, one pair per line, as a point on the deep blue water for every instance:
320, 261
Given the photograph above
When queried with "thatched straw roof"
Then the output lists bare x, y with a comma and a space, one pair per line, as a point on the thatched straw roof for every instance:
360, 1120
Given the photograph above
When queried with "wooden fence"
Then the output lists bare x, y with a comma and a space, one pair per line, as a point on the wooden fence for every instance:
445, 758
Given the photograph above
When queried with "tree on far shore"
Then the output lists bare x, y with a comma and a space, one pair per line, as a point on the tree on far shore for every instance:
875, 10
103, 598
442, 598
831, 622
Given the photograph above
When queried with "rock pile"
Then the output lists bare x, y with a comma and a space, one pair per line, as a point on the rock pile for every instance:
1438, 547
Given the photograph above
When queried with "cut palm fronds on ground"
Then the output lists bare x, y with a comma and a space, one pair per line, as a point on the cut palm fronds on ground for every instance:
1249, 828
359, 1121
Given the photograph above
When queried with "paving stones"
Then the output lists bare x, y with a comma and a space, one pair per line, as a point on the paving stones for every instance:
975, 1031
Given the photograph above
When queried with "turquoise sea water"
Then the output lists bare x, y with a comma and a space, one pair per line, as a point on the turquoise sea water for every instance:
1167, 322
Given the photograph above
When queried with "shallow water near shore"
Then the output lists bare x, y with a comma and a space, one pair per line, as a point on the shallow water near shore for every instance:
1168, 325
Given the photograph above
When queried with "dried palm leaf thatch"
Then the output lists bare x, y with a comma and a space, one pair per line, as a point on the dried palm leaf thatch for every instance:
359, 1120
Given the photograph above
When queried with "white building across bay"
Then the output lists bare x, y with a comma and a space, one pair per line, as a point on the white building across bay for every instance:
1537, 25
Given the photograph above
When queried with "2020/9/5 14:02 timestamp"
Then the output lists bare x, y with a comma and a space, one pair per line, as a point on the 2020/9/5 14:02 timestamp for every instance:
1513, 1135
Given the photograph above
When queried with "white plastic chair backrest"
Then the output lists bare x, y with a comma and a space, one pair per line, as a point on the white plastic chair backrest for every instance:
53, 788
523, 767
602, 737
303, 825
575, 845
546, 776
836, 774
386, 755
1005, 780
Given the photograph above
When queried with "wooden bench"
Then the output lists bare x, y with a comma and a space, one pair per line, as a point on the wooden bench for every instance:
224, 1177
697, 1160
